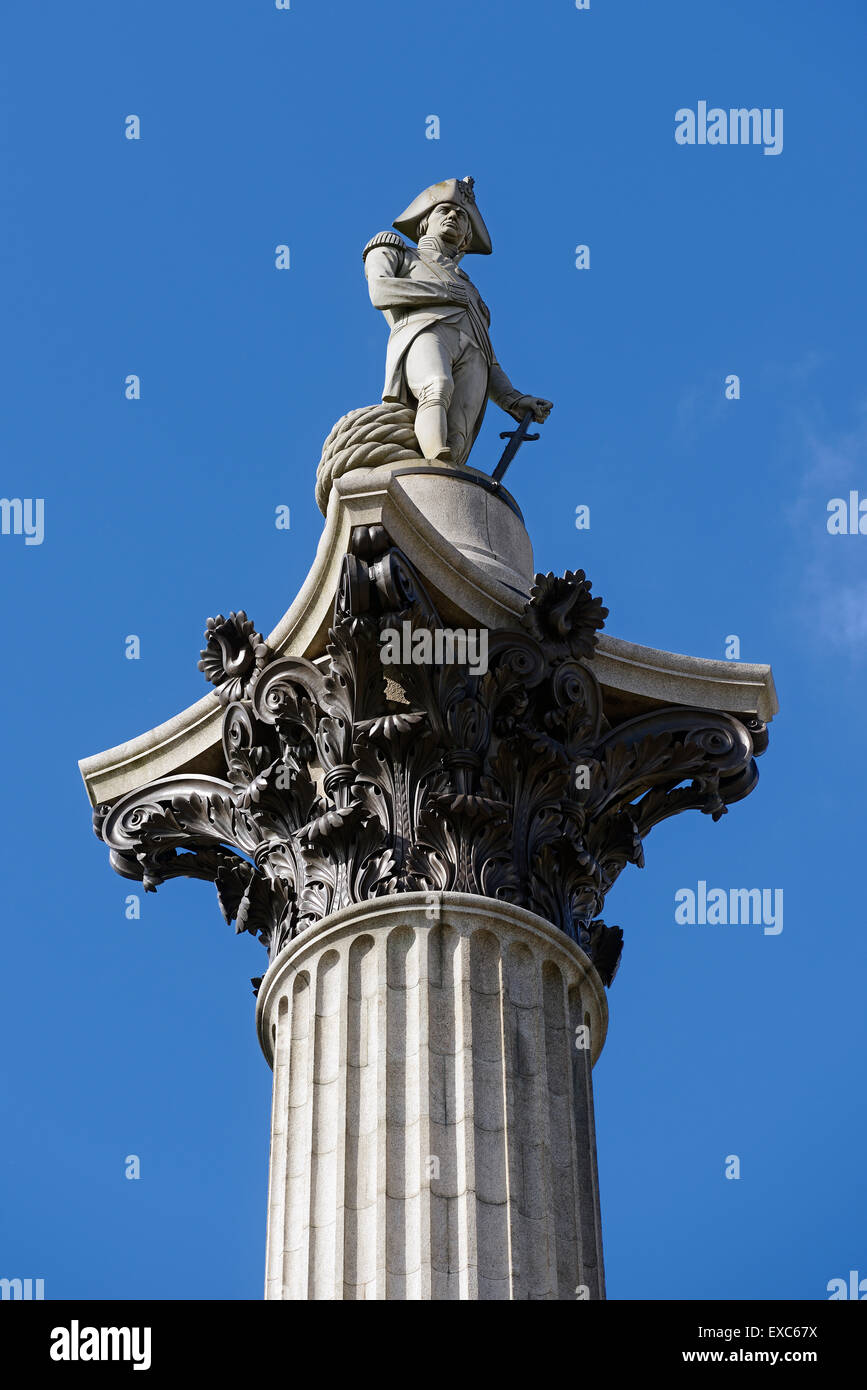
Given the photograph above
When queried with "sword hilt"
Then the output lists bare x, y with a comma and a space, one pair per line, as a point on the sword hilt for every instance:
516, 438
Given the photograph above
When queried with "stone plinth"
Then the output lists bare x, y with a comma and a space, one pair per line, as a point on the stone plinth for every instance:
432, 1130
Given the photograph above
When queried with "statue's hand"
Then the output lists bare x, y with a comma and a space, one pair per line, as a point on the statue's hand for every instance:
541, 408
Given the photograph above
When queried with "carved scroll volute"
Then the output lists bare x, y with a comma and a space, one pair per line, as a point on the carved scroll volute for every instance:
290, 690
516, 658
577, 715
353, 589
517, 666
238, 735
249, 746
399, 587
178, 826
342, 787
681, 759
169, 811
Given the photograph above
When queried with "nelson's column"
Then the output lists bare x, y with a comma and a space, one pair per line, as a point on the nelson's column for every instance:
417, 791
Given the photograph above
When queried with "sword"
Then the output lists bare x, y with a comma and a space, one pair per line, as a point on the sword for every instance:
516, 439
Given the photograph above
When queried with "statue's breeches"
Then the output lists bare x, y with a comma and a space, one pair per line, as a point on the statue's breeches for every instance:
444, 368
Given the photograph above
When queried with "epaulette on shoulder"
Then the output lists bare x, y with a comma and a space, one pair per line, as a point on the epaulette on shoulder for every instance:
384, 239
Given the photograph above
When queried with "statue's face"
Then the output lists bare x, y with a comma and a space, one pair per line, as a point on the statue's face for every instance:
450, 223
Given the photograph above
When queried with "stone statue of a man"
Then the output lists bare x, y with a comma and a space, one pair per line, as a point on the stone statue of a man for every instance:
440, 357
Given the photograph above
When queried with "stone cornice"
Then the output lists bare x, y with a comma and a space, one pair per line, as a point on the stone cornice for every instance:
437, 529
739, 687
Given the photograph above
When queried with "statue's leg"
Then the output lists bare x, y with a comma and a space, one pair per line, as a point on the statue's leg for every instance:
470, 374
429, 378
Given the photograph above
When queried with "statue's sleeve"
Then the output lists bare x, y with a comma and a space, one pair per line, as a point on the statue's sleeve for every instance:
500, 389
389, 289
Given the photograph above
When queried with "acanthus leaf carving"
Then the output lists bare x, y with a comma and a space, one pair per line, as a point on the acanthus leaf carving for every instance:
347, 780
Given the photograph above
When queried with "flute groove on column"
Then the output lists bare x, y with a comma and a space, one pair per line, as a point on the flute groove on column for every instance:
432, 1125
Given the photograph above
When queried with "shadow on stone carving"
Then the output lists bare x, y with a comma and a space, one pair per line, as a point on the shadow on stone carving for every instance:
347, 779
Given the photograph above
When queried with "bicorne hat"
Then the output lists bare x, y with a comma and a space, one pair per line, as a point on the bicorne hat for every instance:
458, 191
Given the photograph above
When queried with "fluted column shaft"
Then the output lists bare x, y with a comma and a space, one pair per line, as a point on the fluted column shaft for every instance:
432, 1126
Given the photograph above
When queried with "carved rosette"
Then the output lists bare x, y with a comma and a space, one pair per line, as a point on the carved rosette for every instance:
347, 779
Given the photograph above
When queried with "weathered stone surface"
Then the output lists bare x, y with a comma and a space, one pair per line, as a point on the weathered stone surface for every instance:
432, 1125
633, 678
351, 779
440, 361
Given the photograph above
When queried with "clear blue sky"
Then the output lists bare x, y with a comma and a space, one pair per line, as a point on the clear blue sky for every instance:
708, 518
